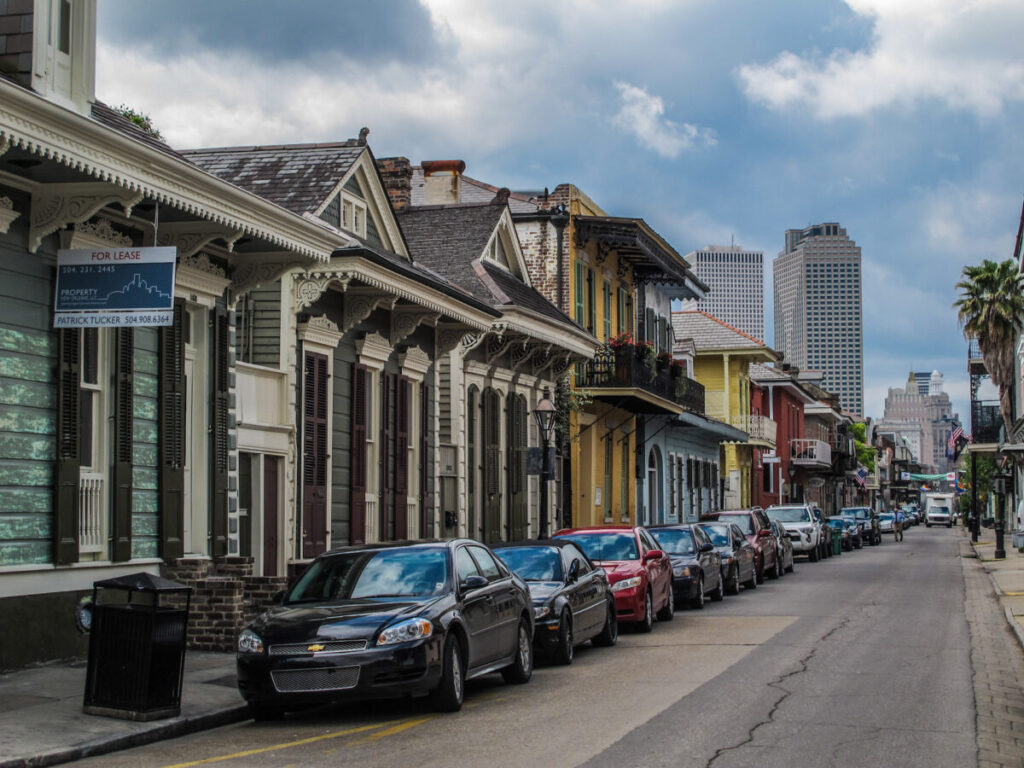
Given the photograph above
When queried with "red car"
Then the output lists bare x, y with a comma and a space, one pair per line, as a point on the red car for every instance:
638, 571
758, 530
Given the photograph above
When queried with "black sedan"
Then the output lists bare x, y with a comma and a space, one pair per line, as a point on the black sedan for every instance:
696, 566
385, 620
572, 601
739, 562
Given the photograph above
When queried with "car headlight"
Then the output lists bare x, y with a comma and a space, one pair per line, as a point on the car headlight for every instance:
540, 611
681, 570
618, 586
403, 632
249, 642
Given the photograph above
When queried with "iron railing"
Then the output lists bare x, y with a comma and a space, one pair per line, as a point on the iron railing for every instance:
986, 421
810, 453
613, 368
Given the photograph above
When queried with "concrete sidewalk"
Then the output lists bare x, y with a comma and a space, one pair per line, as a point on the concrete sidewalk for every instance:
1006, 575
42, 723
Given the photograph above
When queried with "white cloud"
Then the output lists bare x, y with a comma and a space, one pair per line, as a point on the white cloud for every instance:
643, 115
964, 55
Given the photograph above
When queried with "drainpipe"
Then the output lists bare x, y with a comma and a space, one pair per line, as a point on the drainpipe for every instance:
559, 218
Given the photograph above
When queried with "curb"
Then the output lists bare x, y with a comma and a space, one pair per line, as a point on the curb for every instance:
1014, 625
171, 730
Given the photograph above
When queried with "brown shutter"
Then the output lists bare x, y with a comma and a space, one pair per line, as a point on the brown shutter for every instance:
387, 479
424, 460
314, 455
172, 435
219, 435
357, 479
403, 422
68, 448
121, 533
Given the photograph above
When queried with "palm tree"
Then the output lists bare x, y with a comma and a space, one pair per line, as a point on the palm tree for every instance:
991, 309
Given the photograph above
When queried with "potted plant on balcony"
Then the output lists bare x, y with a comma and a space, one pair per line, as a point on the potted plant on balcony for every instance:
663, 360
677, 369
645, 354
623, 349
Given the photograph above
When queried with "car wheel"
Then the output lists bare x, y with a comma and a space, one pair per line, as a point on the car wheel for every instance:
564, 651
927, 525
751, 583
447, 696
610, 634
521, 669
776, 570
760, 576
734, 581
719, 594
669, 611
812, 555
698, 601
791, 567
262, 713
949, 525
646, 624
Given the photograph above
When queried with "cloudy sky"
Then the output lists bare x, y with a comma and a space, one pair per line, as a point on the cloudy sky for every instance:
715, 120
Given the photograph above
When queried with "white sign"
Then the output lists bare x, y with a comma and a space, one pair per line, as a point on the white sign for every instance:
771, 460
951, 476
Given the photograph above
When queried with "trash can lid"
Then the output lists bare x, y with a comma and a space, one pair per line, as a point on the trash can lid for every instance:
142, 582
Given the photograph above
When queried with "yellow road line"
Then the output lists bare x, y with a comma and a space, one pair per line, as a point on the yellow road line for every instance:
1014, 594
392, 730
289, 744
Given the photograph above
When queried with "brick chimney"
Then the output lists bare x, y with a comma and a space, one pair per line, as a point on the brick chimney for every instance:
396, 172
441, 181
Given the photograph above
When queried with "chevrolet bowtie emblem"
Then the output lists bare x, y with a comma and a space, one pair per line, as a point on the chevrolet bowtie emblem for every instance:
315, 648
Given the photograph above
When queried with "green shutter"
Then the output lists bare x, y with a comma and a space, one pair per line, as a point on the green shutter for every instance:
171, 438
591, 301
124, 411
621, 311
68, 449
607, 310
219, 434
578, 292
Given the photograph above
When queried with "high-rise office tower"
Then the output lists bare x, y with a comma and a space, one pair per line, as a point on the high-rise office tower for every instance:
818, 318
736, 281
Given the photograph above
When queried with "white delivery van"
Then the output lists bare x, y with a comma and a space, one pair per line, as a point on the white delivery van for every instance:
938, 509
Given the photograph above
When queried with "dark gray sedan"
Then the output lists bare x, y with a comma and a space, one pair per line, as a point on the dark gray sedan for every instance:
739, 564
696, 565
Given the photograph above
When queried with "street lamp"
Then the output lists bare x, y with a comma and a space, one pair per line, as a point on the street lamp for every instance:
544, 413
999, 480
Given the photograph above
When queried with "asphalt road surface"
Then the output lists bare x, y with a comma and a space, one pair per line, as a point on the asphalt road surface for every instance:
859, 660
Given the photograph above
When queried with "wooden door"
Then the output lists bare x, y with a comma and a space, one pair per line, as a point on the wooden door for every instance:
270, 515
491, 439
314, 455
516, 463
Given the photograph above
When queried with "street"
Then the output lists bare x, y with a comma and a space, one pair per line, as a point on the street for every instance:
859, 660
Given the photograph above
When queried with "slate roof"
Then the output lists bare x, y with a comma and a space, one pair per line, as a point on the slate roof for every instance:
298, 177
761, 372
111, 118
450, 240
708, 332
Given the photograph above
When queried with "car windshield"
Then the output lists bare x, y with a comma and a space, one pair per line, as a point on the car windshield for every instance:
742, 520
533, 563
857, 512
940, 510
675, 541
407, 572
887, 516
790, 514
836, 524
606, 546
719, 534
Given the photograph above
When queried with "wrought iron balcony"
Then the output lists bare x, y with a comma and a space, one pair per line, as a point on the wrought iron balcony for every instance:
812, 454
975, 362
986, 421
613, 373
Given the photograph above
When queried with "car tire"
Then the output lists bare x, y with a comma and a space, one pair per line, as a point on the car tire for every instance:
646, 624
697, 602
610, 633
751, 583
263, 713
813, 555
669, 611
564, 652
521, 669
734, 581
949, 525
719, 594
776, 570
447, 696
792, 567
927, 525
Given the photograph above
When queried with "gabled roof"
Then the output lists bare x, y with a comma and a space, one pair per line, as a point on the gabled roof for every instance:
766, 373
710, 333
298, 177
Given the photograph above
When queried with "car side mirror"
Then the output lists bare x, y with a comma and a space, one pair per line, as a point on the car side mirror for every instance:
654, 554
765, 532
707, 547
474, 582
574, 572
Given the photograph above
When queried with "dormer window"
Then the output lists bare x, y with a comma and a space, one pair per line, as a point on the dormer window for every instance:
500, 251
64, 50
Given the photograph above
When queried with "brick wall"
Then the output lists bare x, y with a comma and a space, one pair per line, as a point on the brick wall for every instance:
396, 173
16, 40
539, 241
225, 596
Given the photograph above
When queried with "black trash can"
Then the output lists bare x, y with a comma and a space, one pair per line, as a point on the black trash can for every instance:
136, 647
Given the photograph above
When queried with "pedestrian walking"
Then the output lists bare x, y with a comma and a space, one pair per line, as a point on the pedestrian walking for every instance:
897, 525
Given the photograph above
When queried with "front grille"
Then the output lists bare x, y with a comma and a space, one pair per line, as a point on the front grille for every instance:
309, 680
302, 649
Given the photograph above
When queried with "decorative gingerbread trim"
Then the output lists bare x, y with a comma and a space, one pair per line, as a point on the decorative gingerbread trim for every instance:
57, 205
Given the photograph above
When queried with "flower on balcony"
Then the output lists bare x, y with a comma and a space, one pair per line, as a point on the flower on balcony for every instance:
664, 359
623, 340
678, 369
645, 352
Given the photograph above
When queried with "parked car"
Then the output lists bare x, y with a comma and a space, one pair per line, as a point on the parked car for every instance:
939, 515
802, 528
572, 599
843, 530
388, 620
785, 547
639, 572
825, 549
755, 526
696, 565
857, 535
870, 531
886, 521
739, 561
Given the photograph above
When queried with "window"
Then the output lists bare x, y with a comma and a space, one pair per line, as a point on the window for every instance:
465, 566
488, 567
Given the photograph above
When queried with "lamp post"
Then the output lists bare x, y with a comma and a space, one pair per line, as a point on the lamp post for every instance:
999, 483
544, 413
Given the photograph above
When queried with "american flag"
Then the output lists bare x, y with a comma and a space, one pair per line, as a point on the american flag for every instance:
954, 436
862, 476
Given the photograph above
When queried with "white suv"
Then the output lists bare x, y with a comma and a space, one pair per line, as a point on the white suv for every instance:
801, 527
